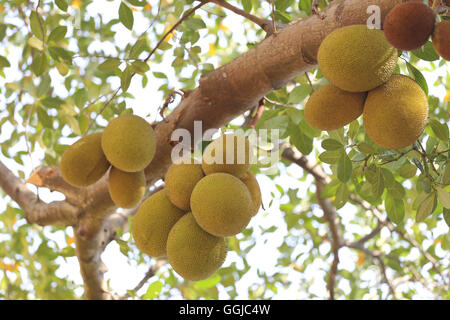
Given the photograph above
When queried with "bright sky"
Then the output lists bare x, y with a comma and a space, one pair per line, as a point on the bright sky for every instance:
123, 275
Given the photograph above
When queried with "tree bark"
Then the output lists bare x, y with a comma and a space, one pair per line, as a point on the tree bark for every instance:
221, 96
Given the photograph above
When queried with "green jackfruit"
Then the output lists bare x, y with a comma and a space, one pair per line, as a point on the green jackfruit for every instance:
395, 113
126, 189
193, 253
357, 59
152, 223
331, 108
180, 180
221, 204
250, 181
129, 143
230, 153
84, 163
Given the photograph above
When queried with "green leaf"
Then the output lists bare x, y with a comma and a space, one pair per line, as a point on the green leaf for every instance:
140, 67
344, 169
330, 156
439, 129
299, 94
126, 16
418, 77
446, 214
408, 170
36, 43
444, 197
342, 194
426, 207
301, 141
247, 4
39, 64
366, 148
58, 34
374, 176
138, 48
153, 290
331, 144
35, 25
195, 24
446, 175
4, 63
395, 209
137, 3
109, 65
125, 79
426, 53
62, 4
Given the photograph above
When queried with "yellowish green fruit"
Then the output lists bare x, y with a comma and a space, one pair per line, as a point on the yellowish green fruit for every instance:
395, 113
221, 204
129, 143
193, 253
357, 59
230, 153
126, 189
331, 108
84, 163
152, 223
180, 180
250, 181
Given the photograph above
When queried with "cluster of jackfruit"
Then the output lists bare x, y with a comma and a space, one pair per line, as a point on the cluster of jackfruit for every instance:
125, 147
359, 63
200, 205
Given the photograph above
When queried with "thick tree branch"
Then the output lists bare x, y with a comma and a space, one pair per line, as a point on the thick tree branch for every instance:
36, 210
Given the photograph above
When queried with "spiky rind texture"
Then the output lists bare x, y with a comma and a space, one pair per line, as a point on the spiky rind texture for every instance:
192, 252
441, 39
250, 181
331, 108
230, 153
152, 223
357, 59
395, 113
221, 204
409, 25
129, 143
180, 180
126, 189
84, 163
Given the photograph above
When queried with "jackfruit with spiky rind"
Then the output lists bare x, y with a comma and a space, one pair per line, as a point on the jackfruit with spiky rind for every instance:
230, 153
84, 163
395, 114
221, 204
408, 26
331, 108
152, 223
129, 143
357, 59
192, 252
126, 189
180, 180
441, 39
250, 181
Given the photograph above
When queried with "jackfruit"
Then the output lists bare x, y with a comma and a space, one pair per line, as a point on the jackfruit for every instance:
152, 223
84, 163
180, 180
129, 143
221, 204
250, 181
126, 189
409, 25
357, 59
192, 252
395, 113
331, 108
441, 39
230, 153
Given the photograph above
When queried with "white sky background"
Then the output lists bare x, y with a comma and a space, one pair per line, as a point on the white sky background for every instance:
122, 275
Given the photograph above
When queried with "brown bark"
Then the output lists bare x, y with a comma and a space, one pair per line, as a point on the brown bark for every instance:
221, 96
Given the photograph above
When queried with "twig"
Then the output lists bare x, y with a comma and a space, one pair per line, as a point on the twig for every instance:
258, 114
309, 81
184, 17
273, 17
91, 122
